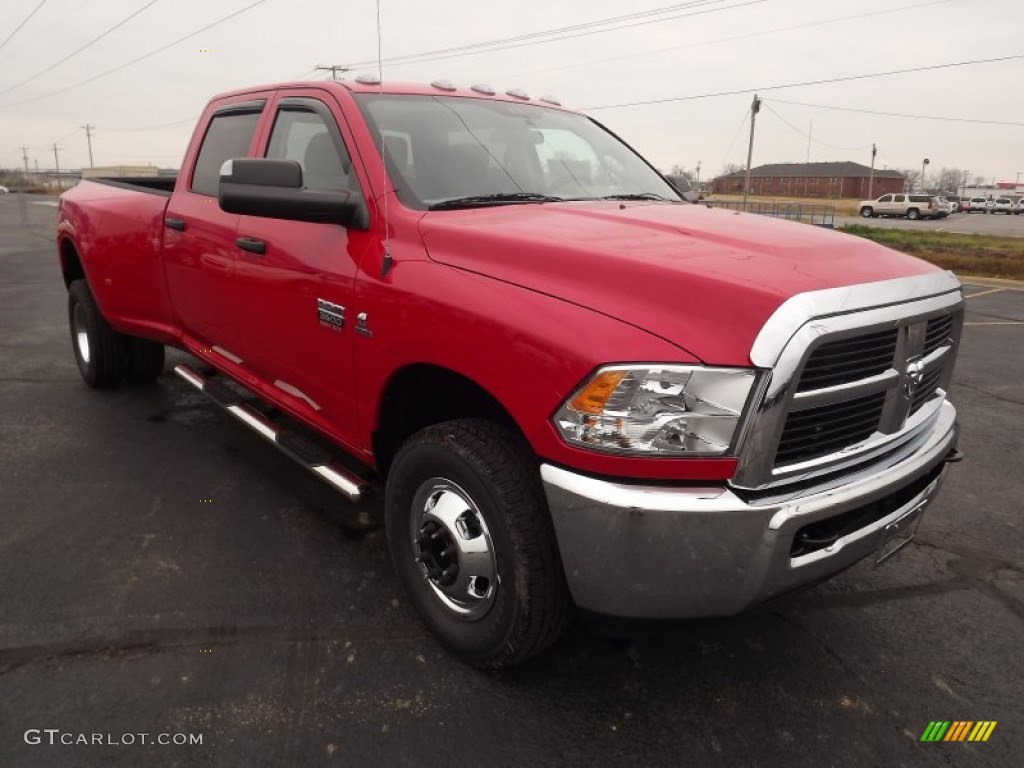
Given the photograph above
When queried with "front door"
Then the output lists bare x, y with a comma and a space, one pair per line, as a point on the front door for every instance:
294, 298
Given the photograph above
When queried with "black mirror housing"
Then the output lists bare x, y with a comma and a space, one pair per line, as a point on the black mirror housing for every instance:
273, 189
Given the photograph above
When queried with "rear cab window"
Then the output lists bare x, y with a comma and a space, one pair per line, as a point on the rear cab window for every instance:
228, 135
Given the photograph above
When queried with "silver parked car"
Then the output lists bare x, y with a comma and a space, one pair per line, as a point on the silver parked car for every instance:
1000, 205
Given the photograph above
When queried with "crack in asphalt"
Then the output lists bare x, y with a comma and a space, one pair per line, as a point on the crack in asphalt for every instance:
980, 391
153, 641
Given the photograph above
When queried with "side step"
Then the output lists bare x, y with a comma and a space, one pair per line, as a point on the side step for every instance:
297, 447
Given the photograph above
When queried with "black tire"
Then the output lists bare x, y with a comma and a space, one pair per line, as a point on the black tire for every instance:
144, 359
98, 348
867, 212
913, 214
508, 518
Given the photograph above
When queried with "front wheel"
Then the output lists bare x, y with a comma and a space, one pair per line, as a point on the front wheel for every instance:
913, 214
472, 543
867, 212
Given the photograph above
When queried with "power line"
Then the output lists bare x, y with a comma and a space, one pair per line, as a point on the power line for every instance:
903, 114
79, 50
809, 82
575, 30
17, 29
731, 38
809, 137
137, 59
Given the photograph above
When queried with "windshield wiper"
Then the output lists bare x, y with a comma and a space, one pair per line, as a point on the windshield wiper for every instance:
640, 196
499, 199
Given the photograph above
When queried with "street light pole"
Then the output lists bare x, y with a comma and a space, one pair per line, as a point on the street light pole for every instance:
923, 165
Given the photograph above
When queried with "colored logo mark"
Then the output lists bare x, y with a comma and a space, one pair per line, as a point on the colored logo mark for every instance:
958, 730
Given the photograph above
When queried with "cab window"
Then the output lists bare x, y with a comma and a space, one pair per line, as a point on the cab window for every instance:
302, 134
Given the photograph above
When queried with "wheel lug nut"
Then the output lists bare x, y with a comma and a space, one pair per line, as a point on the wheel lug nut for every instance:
448, 551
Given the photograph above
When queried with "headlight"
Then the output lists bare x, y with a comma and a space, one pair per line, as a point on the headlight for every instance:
658, 410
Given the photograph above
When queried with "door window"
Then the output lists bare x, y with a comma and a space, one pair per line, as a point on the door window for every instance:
228, 136
900, 198
303, 135
885, 199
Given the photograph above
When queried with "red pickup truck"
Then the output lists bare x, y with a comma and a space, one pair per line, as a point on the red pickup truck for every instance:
572, 388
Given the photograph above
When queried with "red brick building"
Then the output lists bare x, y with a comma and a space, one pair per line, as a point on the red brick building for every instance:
825, 180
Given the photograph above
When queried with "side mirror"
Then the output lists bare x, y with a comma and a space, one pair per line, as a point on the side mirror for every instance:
273, 189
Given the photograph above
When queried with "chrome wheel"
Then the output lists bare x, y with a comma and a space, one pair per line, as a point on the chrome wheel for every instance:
81, 334
452, 544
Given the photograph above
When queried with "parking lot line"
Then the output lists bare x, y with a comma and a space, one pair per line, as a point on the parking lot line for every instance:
997, 322
983, 293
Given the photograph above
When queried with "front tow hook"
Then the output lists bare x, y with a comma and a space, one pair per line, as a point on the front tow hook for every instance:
954, 456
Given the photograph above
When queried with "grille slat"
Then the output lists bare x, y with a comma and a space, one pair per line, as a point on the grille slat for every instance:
829, 428
926, 390
937, 333
848, 360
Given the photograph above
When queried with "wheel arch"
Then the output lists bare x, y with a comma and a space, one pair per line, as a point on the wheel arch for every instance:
420, 394
70, 261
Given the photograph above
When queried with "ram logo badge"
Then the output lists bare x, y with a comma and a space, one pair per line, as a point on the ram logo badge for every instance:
331, 315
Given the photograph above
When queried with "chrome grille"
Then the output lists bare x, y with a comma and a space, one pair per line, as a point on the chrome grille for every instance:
856, 373
839, 362
820, 431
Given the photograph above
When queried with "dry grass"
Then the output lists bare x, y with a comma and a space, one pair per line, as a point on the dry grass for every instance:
844, 207
981, 255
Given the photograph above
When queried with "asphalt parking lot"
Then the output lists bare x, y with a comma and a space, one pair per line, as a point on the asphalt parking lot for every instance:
1000, 225
162, 570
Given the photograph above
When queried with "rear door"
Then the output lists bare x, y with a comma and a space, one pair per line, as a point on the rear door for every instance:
295, 296
199, 238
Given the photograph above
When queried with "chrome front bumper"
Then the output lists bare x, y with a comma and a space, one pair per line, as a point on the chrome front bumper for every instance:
662, 552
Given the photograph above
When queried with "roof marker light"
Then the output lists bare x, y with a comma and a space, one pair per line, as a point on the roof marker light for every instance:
482, 88
368, 78
443, 85
518, 93
551, 100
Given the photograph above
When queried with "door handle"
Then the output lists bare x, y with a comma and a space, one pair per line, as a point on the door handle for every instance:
252, 245
176, 224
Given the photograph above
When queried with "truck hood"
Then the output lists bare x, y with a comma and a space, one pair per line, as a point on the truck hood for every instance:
704, 279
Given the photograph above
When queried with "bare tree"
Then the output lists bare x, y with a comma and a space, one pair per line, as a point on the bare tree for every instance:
911, 178
728, 168
950, 179
978, 181
681, 170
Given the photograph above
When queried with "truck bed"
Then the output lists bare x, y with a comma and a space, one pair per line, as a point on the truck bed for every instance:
154, 185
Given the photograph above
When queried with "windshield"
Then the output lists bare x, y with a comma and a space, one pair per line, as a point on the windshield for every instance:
450, 152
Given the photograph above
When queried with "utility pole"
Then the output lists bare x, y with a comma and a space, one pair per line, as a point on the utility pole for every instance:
871, 177
88, 137
24, 156
333, 69
57, 163
698, 173
755, 107
923, 166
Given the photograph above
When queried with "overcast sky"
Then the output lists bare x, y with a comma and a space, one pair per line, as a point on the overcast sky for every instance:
701, 47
